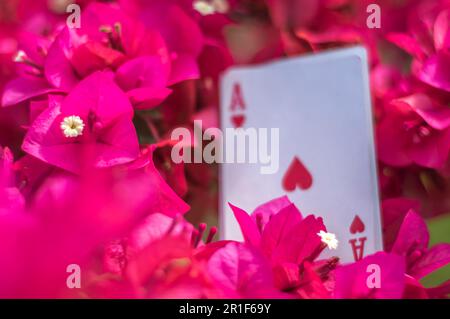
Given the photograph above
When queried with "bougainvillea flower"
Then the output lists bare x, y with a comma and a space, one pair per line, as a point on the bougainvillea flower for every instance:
412, 243
286, 237
416, 130
351, 280
180, 31
150, 230
99, 204
93, 108
96, 114
108, 38
429, 44
64, 225
288, 241
242, 272
163, 245
29, 61
173, 256
320, 25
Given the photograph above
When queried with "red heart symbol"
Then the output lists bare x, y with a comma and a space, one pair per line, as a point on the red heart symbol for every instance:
297, 175
238, 120
357, 225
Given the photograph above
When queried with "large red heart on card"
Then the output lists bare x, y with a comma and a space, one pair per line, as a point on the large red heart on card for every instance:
357, 225
238, 120
297, 175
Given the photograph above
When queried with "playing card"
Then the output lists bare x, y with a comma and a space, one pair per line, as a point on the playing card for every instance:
325, 159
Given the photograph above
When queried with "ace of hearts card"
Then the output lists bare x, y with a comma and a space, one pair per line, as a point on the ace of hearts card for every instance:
321, 106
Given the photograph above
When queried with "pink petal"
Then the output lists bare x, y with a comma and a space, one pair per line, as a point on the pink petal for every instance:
11, 200
311, 285
434, 151
286, 275
351, 279
156, 253
149, 191
22, 89
301, 242
435, 70
414, 289
146, 71
278, 228
264, 212
36, 108
413, 234
181, 32
248, 227
98, 95
155, 227
184, 67
441, 30
58, 70
392, 140
436, 257
436, 115
407, 43
241, 272
394, 211
119, 145
147, 98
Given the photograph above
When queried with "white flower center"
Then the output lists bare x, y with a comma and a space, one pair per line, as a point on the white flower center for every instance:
20, 56
205, 7
72, 126
329, 239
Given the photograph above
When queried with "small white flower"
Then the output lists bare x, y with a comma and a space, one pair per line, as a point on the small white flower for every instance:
72, 126
329, 239
203, 7
20, 56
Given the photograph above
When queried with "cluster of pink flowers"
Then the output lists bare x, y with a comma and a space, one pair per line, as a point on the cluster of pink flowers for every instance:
85, 171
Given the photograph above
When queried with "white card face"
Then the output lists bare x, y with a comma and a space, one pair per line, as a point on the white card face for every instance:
327, 167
